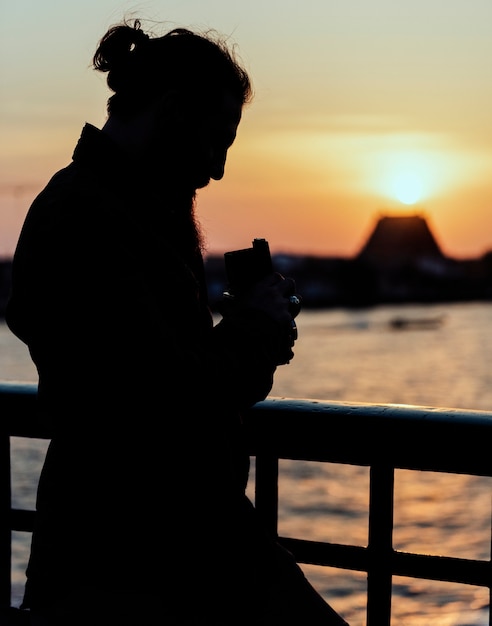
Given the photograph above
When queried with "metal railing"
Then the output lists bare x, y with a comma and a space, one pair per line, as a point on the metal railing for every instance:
380, 437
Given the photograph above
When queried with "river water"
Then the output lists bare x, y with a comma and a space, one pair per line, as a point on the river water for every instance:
434, 355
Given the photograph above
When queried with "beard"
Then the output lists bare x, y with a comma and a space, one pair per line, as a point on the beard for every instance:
175, 169
185, 226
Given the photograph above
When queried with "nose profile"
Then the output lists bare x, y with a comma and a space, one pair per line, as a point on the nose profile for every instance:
217, 166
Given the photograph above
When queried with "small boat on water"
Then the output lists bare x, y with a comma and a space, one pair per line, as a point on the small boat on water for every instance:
401, 322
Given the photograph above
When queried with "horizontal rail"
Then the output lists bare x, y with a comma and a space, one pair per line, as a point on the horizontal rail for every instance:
402, 436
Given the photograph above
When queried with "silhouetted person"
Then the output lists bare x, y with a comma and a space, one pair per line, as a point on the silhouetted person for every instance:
142, 516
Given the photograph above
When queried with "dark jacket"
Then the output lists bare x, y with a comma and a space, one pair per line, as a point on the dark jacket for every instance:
146, 471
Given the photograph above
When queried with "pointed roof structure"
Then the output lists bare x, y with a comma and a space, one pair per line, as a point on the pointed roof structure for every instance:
400, 240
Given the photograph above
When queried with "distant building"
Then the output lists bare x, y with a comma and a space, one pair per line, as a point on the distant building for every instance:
399, 241
407, 265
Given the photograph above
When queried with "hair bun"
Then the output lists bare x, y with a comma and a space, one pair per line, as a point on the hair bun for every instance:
117, 46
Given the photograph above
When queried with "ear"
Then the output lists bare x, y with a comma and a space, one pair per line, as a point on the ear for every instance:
170, 106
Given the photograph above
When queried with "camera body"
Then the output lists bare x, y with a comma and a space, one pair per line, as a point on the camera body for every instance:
246, 267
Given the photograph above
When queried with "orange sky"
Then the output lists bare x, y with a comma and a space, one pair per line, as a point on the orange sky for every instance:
361, 108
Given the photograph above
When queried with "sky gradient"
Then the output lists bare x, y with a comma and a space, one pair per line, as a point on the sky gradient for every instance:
362, 108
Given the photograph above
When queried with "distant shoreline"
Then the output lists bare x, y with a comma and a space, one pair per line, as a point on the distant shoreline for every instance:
332, 282
400, 263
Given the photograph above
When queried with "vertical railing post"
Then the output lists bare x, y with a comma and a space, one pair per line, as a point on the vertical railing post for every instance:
380, 547
5, 525
490, 575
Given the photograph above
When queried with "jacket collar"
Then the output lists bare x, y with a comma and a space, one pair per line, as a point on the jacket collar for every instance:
98, 151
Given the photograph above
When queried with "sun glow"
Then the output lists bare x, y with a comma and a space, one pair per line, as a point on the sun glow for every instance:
412, 176
407, 187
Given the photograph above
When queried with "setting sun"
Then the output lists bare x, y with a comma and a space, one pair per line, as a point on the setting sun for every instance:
414, 174
407, 187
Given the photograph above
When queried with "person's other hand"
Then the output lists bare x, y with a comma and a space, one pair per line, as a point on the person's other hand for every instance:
274, 295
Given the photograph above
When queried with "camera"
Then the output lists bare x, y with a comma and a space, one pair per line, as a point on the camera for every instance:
246, 267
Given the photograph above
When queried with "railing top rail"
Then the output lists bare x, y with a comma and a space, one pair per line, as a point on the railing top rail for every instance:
398, 435
18, 416
12, 387
380, 411
401, 436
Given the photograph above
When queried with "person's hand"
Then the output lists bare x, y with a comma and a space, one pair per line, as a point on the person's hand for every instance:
275, 296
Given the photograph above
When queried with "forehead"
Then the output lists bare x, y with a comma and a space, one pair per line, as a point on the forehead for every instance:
226, 115
228, 109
